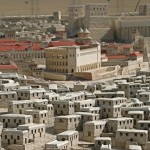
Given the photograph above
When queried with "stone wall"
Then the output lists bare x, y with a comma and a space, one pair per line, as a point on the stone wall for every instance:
54, 76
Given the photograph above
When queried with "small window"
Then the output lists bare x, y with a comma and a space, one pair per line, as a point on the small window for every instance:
60, 120
89, 133
18, 137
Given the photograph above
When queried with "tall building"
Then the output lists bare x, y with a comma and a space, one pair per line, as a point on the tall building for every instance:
126, 27
70, 59
92, 16
94, 11
144, 9
76, 13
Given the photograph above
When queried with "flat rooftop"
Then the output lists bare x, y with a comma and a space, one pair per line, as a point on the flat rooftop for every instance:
132, 130
69, 116
29, 101
30, 126
103, 138
57, 143
98, 122
135, 112
15, 115
69, 132
120, 119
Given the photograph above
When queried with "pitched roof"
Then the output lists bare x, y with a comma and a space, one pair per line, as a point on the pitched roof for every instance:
117, 57
136, 53
8, 45
62, 43
8, 67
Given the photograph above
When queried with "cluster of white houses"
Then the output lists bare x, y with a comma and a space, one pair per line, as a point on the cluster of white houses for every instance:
99, 116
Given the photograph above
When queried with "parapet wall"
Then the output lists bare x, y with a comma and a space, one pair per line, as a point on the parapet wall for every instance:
54, 76
102, 73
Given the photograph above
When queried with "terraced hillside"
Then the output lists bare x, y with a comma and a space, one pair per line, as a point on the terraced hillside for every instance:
45, 7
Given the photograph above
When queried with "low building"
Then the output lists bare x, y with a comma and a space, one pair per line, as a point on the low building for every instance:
48, 107
93, 129
32, 92
102, 143
111, 107
13, 120
39, 116
78, 105
68, 122
71, 136
14, 136
51, 96
100, 94
6, 65
145, 109
73, 96
113, 124
93, 110
8, 85
123, 136
61, 145
19, 107
63, 108
36, 131
87, 116
6, 97
18, 78
144, 125
136, 115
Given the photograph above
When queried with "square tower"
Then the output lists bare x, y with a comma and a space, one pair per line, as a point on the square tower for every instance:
99, 9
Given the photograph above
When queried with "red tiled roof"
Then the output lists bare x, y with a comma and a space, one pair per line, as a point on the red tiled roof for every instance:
117, 57
136, 54
126, 46
7, 41
7, 45
62, 43
112, 45
12, 66
118, 45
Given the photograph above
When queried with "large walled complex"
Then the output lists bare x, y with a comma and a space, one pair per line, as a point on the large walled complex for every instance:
46, 7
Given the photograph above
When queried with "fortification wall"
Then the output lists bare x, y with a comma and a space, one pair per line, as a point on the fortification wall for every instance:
46, 7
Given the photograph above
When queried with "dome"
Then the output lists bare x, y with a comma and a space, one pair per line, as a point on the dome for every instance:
81, 30
86, 30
